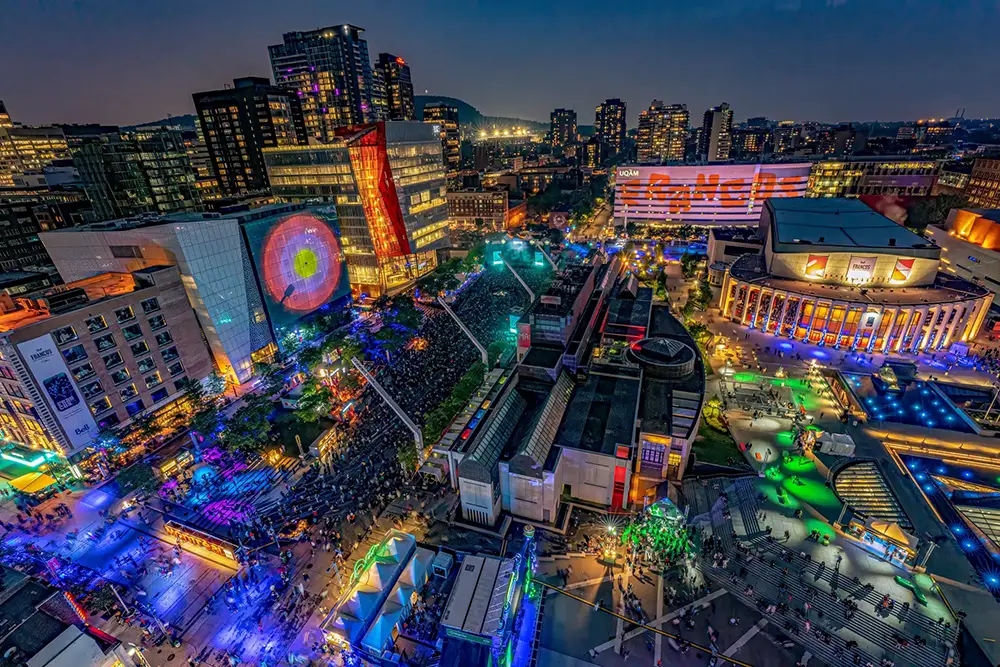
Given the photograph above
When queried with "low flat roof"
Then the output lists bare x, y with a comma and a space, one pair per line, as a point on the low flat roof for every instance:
600, 415
806, 224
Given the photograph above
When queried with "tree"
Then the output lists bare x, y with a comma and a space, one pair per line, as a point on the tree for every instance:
705, 293
310, 357
408, 456
933, 210
273, 378
249, 429
714, 405
494, 351
106, 439
316, 401
138, 477
144, 427
215, 384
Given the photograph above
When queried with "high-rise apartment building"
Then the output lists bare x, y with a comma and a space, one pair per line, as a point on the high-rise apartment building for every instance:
5, 120
592, 153
236, 123
609, 125
750, 142
717, 133
28, 149
984, 184
562, 127
446, 116
398, 87
787, 136
387, 181
331, 72
380, 100
146, 171
662, 133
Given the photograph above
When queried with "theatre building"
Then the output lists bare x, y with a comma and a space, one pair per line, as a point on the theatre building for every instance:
834, 272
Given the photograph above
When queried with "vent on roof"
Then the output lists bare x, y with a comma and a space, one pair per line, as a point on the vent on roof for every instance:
822, 239
892, 242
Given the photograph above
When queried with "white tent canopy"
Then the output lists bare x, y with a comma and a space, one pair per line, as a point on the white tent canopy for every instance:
837, 444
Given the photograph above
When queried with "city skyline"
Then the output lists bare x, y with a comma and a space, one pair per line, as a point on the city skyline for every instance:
142, 62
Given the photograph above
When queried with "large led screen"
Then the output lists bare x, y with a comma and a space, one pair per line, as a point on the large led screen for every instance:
299, 262
712, 194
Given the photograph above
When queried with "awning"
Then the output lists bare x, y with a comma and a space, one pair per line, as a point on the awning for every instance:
33, 482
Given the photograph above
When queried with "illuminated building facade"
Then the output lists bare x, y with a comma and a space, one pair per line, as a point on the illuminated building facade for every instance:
445, 116
28, 149
750, 142
388, 183
609, 125
93, 354
984, 184
331, 73
562, 127
703, 194
833, 272
250, 272
970, 245
873, 176
484, 210
717, 133
237, 123
398, 87
5, 120
593, 152
662, 133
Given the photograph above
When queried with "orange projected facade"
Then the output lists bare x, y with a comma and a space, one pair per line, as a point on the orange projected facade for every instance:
707, 194
377, 191
976, 228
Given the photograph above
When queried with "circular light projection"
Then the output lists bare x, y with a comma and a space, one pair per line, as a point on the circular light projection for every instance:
301, 263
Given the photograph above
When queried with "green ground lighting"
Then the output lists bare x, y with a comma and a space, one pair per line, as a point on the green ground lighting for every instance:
811, 491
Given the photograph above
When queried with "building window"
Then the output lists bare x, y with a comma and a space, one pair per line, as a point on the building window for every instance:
74, 354
92, 389
111, 420
126, 251
181, 383
157, 322
83, 372
132, 331
124, 314
164, 338
105, 343
150, 305
175, 368
153, 380
121, 375
135, 408
128, 392
112, 360
159, 394
169, 354
95, 324
146, 365
64, 335
103, 404
139, 348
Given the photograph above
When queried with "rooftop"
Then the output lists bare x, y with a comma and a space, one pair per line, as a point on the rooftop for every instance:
806, 224
600, 414
741, 234
245, 211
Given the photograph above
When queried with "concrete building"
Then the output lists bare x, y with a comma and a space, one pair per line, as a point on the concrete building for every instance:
717, 133
331, 72
485, 210
93, 354
835, 272
398, 87
662, 133
251, 273
391, 234
43, 626
237, 123
873, 176
970, 245
726, 245
29, 149
610, 125
562, 127
445, 117
984, 184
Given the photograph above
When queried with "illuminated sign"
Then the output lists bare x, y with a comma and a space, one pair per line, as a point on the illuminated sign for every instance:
816, 266
861, 269
901, 272
723, 193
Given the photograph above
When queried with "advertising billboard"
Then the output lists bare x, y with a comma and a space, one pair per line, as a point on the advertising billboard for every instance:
816, 266
50, 371
861, 269
299, 263
720, 194
901, 272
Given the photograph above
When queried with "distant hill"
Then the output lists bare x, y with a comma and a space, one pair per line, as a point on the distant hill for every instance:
469, 115
185, 122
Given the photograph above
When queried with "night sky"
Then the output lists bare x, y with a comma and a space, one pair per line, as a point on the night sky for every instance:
131, 61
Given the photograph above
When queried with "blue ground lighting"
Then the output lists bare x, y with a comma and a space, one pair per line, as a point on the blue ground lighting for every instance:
916, 405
